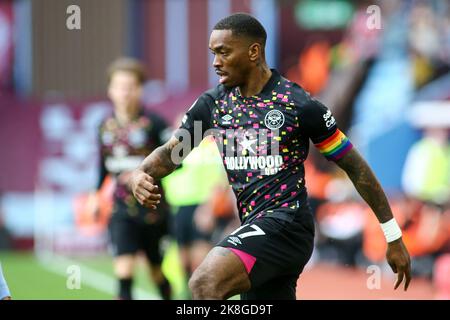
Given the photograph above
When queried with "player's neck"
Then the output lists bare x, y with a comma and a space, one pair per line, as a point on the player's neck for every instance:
126, 115
256, 81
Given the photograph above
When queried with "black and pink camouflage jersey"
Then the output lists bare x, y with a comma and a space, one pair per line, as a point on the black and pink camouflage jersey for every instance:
264, 140
123, 148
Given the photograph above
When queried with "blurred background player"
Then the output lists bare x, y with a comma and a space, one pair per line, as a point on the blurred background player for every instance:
198, 193
426, 174
125, 138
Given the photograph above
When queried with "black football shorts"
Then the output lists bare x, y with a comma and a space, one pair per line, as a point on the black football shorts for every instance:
130, 235
185, 230
274, 252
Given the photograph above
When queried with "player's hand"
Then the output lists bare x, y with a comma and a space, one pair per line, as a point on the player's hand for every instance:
204, 218
398, 258
143, 188
124, 178
93, 205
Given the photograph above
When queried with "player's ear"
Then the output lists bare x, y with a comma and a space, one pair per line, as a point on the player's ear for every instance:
254, 51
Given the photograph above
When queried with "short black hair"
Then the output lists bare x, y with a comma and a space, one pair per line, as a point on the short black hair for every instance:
242, 24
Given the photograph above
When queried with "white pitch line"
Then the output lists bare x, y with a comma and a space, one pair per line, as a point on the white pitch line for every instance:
90, 277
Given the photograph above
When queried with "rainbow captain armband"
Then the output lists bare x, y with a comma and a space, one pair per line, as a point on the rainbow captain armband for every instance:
335, 146
391, 230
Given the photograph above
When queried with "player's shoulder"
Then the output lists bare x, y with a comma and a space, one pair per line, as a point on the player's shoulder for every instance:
152, 115
303, 100
107, 122
301, 97
153, 120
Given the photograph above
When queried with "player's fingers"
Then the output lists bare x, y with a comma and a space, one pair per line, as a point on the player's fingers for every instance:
146, 198
399, 278
407, 277
152, 194
151, 204
153, 197
393, 267
140, 198
149, 186
143, 193
149, 179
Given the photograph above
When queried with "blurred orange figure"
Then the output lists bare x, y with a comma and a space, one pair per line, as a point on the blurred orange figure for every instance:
90, 219
312, 69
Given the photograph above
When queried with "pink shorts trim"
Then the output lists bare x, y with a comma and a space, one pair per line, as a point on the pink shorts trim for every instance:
247, 259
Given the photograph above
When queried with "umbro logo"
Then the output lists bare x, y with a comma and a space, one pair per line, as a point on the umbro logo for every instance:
234, 240
226, 119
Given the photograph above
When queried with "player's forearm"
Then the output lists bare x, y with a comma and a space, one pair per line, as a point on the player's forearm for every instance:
366, 184
159, 163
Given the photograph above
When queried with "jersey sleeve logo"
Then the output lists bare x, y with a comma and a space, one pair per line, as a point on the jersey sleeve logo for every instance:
329, 119
274, 119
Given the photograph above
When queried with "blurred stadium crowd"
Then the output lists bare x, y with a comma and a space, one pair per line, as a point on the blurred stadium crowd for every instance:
387, 83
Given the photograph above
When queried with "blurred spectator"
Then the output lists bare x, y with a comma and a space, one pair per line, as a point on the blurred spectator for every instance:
312, 69
348, 233
7, 44
316, 181
425, 233
426, 174
441, 278
428, 39
424, 34
341, 225
360, 42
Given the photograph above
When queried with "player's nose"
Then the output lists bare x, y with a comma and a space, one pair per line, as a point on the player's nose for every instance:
217, 63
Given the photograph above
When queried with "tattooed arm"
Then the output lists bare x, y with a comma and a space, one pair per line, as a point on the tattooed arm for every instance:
366, 184
165, 159
160, 163
370, 190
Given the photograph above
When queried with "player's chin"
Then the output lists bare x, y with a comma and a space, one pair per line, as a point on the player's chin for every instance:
227, 81
223, 80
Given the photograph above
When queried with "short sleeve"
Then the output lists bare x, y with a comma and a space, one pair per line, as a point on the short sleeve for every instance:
319, 124
196, 121
160, 130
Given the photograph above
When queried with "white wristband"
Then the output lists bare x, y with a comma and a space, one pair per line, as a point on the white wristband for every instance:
391, 230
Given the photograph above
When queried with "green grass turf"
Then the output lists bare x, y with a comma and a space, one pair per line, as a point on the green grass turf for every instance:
28, 278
